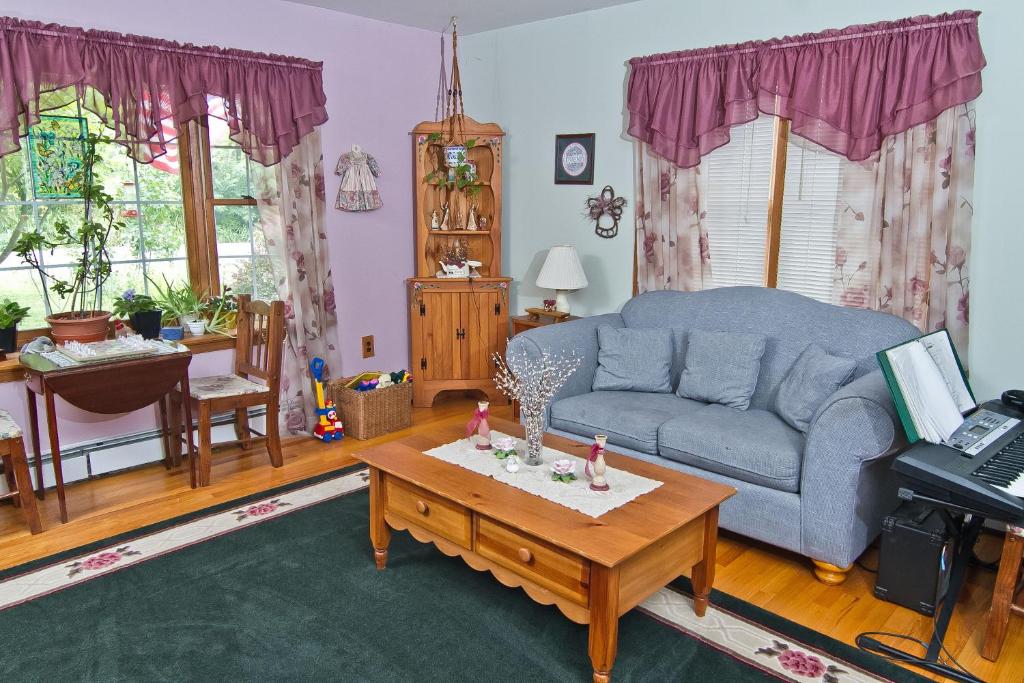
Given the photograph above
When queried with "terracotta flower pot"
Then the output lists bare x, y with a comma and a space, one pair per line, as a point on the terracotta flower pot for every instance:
64, 327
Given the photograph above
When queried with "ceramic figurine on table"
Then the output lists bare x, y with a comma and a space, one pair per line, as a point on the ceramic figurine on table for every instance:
505, 447
435, 222
478, 425
471, 223
595, 467
444, 217
512, 463
563, 470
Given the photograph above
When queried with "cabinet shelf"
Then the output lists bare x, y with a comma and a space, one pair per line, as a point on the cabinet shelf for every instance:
441, 233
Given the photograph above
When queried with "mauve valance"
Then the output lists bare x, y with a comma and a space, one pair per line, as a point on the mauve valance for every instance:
843, 89
145, 88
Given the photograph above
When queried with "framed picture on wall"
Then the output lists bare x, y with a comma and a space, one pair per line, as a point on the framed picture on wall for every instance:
574, 159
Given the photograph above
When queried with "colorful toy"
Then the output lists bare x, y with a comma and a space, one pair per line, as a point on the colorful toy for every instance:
329, 427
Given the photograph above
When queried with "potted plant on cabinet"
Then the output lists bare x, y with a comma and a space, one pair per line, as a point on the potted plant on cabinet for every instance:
142, 312
82, 292
10, 315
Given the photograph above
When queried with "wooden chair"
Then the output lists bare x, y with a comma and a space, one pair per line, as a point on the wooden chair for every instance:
1009, 583
258, 351
12, 450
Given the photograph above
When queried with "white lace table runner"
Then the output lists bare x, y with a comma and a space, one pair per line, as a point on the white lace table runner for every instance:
577, 495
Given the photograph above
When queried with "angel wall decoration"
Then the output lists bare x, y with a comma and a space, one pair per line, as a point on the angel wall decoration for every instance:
605, 204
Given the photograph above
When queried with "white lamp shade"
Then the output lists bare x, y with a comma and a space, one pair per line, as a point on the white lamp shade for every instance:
562, 269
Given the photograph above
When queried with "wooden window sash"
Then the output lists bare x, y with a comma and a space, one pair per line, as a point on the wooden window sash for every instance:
773, 230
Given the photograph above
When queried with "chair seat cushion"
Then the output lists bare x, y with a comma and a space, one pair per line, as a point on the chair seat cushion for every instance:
752, 445
223, 386
629, 418
9, 429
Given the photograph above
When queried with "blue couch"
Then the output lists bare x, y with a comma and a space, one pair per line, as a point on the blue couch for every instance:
822, 494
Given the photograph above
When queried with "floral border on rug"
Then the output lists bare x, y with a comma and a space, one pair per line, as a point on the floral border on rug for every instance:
740, 638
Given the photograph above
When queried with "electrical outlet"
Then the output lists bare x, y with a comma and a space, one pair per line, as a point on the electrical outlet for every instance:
368, 346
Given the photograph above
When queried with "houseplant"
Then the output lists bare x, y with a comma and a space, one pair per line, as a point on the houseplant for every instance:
10, 315
222, 313
454, 170
142, 311
82, 292
181, 305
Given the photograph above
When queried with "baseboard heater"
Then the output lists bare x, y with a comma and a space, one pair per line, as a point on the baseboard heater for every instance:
86, 450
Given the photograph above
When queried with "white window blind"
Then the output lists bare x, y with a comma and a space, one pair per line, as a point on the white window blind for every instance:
807, 250
737, 177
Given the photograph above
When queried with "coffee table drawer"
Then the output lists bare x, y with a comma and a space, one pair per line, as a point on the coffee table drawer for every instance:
433, 513
561, 572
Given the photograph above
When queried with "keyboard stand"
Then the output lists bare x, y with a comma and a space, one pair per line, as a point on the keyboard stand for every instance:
966, 534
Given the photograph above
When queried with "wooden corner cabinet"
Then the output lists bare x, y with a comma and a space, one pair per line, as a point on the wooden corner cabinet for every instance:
457, 323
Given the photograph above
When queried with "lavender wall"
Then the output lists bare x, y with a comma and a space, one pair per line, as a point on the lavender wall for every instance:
380, 81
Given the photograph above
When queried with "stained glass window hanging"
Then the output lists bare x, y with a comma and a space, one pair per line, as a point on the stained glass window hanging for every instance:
56, 152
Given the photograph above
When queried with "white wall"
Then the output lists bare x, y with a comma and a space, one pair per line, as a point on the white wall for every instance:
567, 75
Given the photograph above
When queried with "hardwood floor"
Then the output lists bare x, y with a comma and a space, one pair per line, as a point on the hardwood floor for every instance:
773, 579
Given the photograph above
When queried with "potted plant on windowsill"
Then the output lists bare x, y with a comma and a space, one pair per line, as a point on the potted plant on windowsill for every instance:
222, 313
82, 292
10, 315
141, 311
181, 305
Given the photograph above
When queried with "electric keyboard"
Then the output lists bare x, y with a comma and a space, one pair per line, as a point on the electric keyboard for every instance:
989, 480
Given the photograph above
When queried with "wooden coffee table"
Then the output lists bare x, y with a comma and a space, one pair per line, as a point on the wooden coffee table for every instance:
593, 569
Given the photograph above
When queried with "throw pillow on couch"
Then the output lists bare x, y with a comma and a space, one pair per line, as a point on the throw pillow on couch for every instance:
722, 367
634, 359
814, 377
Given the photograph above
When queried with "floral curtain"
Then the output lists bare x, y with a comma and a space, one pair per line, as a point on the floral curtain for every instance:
672, 249
903, 237
291, 201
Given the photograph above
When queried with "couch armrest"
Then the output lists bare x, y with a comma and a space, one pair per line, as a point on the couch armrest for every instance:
574, 335
846, 484
859, 419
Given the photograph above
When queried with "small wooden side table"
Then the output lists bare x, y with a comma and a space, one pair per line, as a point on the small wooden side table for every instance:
105, 388
1004, 596
533, 318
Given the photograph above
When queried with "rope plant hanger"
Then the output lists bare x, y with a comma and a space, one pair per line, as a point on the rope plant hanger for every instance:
454, 170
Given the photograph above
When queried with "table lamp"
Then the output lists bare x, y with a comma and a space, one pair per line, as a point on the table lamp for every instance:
562, 271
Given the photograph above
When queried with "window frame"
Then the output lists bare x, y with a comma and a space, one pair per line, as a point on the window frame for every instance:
773, 226
195, 168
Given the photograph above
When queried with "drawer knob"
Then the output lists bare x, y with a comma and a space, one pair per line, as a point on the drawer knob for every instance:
525, 555
421, 507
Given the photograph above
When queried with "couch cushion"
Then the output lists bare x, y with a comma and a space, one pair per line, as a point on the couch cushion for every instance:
629, 418
721, 367
634, 359
814, 377
753, 445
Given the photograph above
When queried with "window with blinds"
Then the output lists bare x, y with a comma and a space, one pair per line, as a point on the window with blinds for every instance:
737, 178
810, 200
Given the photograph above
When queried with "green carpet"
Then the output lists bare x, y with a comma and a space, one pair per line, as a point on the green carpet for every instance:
297, 597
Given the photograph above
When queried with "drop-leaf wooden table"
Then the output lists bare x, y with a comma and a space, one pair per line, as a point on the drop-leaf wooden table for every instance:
107, 388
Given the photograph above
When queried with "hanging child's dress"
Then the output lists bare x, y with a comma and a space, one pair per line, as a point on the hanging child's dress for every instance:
358, 191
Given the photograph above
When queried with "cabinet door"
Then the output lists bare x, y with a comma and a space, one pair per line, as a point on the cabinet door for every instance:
481, 314
441, 347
